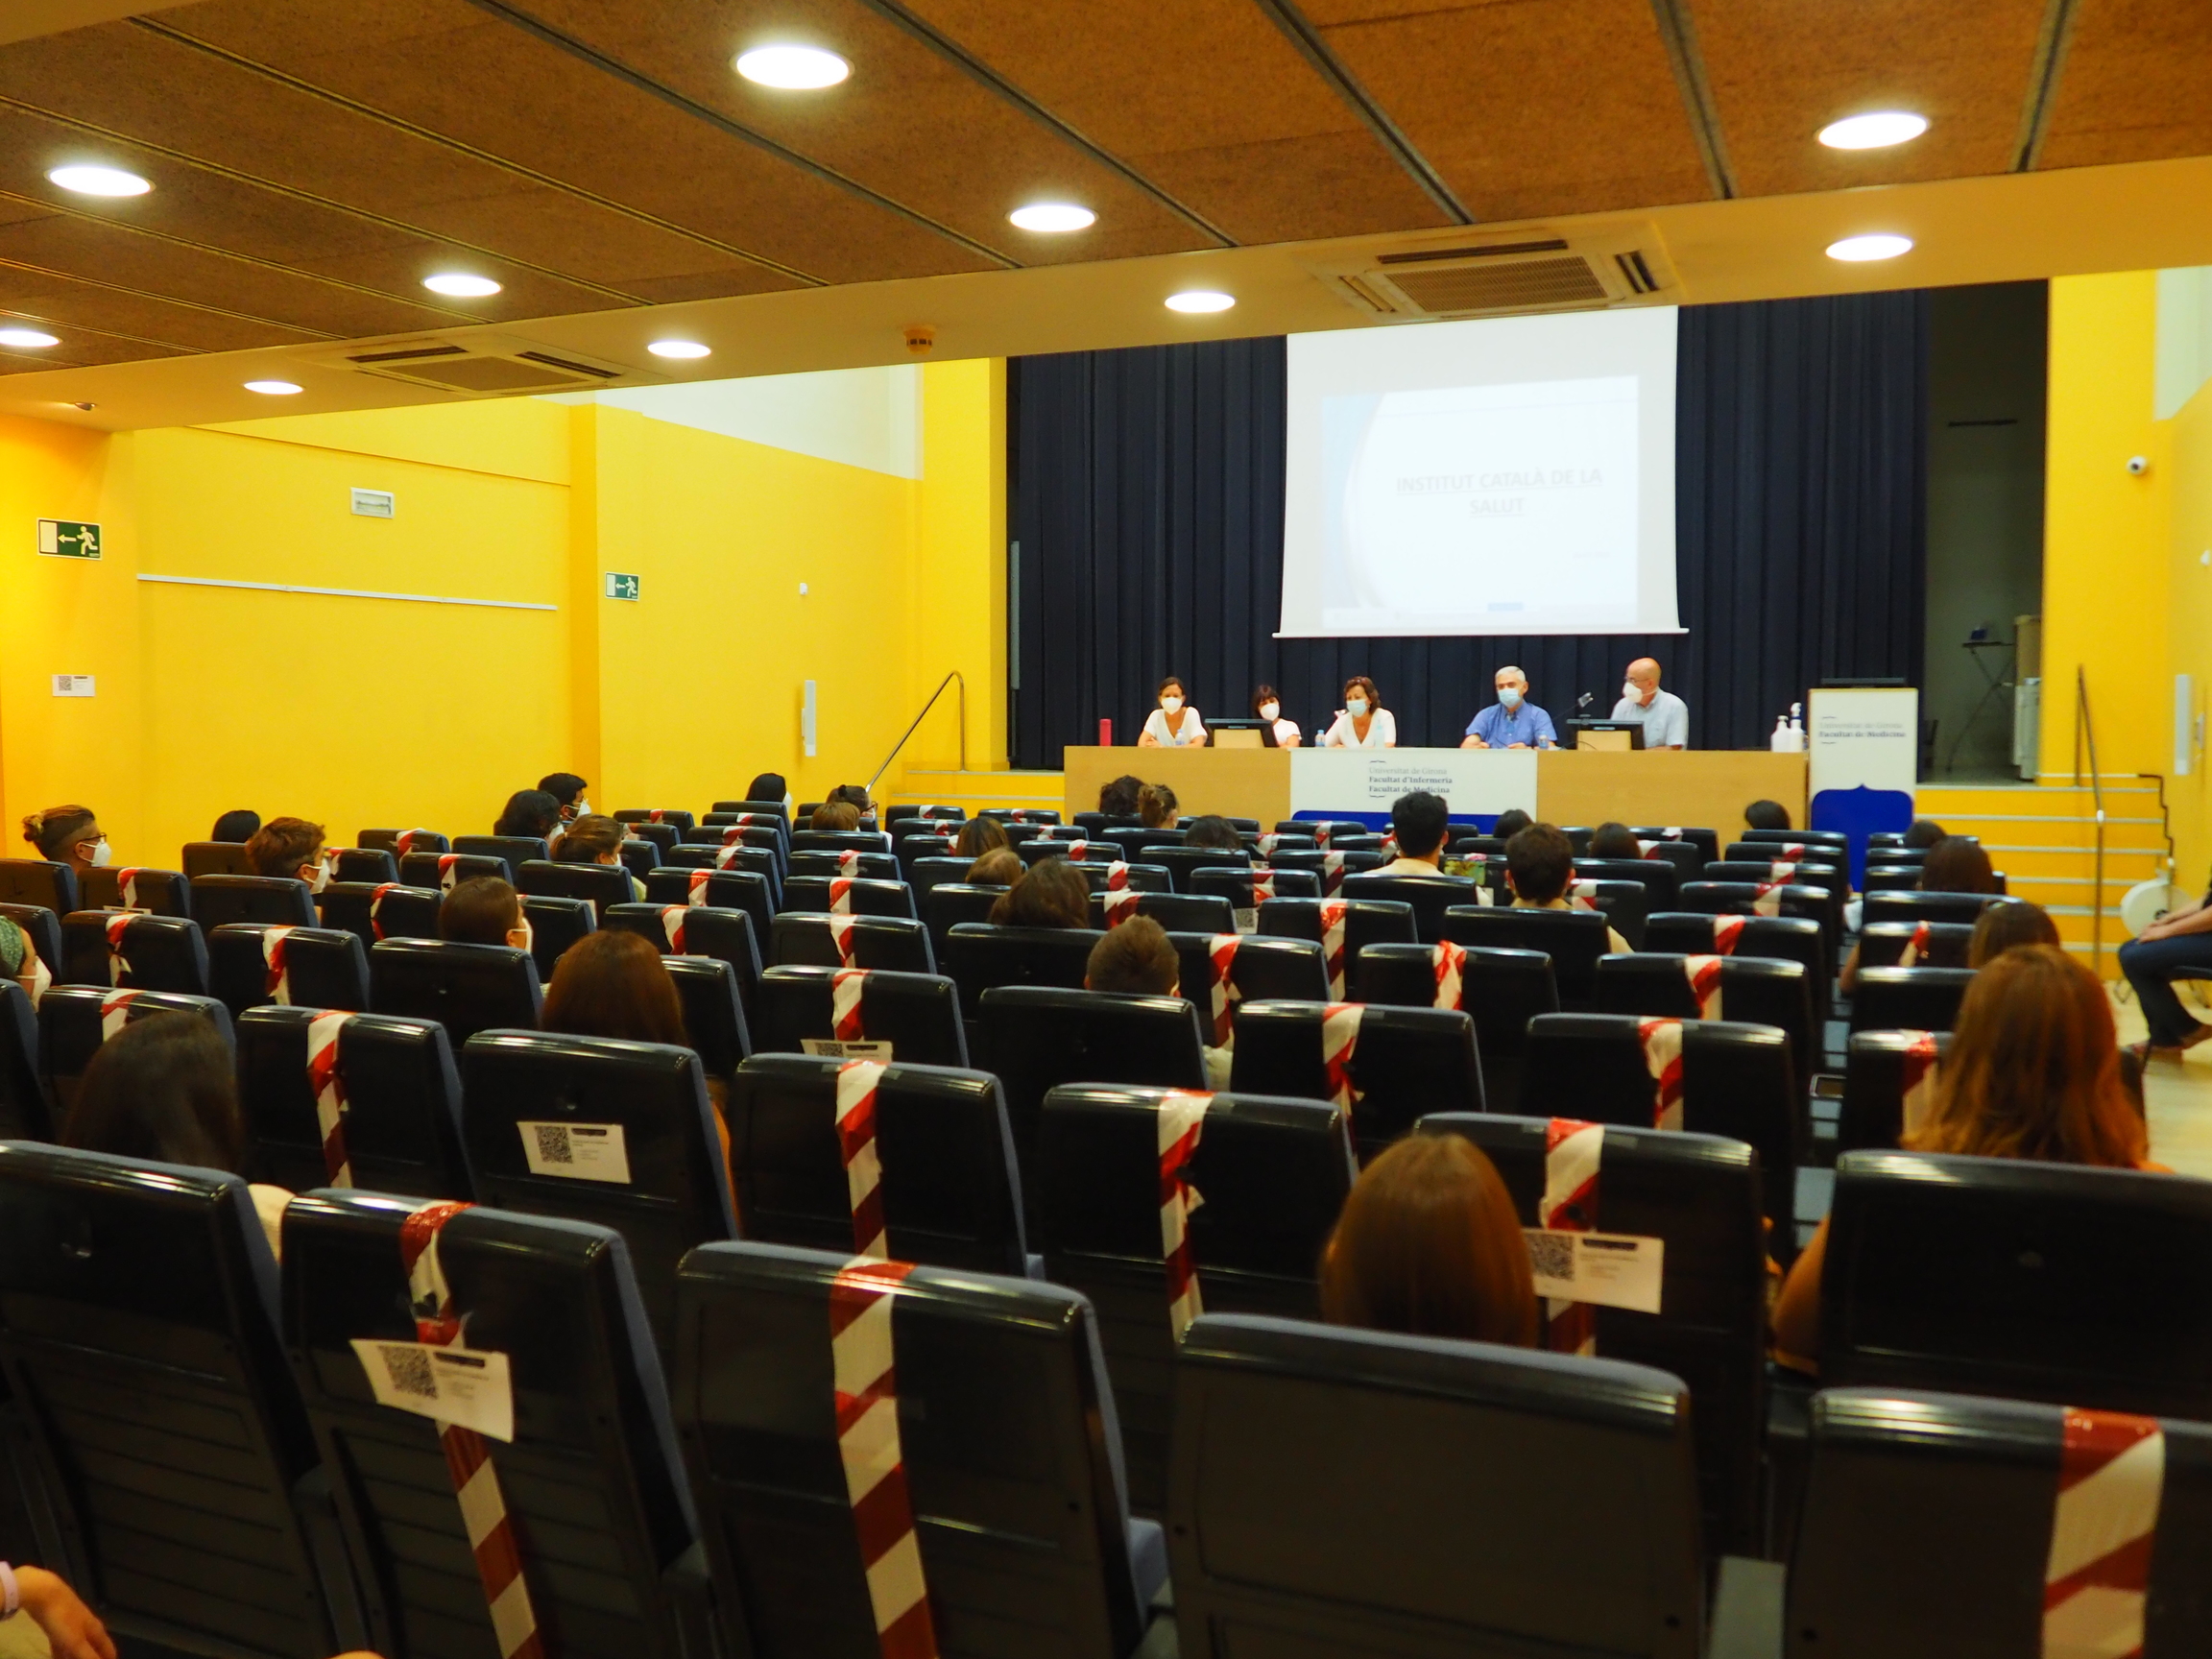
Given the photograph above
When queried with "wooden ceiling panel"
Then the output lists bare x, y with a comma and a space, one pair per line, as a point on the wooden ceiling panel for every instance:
1780, 71
1209, 100
909, 123
116, 311
446, 67
2133, 84
1524, 110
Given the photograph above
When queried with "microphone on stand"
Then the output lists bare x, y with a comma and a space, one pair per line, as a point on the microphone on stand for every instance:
1585, 700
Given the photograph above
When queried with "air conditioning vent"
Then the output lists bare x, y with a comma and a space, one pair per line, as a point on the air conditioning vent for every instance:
1518, 286
1614, 266
482, 366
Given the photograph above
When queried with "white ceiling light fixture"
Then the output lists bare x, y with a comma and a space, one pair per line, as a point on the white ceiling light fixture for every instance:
1052, 217
793, 68
271, 388
1878, 245
680, 348
28, 339
461, 285
1876, 130
86, 179
1198, 300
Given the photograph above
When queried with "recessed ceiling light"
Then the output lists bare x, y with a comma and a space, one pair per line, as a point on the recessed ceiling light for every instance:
680, 348
1200, 299
461, 285
271, 388
29, 338
90, 181
1874, 130
1053, 216
1879, 246
793, 68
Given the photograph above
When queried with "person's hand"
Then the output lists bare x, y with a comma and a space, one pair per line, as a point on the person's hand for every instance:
1477, 743
72, 1629
1516, 745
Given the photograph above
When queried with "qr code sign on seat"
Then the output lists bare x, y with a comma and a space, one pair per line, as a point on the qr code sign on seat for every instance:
409, 1369
1550, 1255
576, 1151
553, 1144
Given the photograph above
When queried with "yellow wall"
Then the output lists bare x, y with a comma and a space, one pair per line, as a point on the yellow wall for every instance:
958, 599
2189, 622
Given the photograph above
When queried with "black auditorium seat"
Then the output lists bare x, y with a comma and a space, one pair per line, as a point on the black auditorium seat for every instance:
38, 881
1183, 863
1625, 905
401, 1102
1501, 989
466, 988
554, 924
777, 810
603, 884
515, 850
1890, 879
1177, 912
1916, 907
1463, 1465
927, 870
1757, 990
385, 910
138, 1327
42, 928
1404, 1062
1273, 1174
1686, 858
1363, 921
854, 896
1881, 1070
746, 890
1700, 1195
604, 1131
305, 967
1329, 866
283, 900
446, 871
1429, 897
1909, 998
371, 864
119, 887
1007, 1443
401, 842
1705, 842
950, 1193
980, 957
1136, 878
215, 858
23, 1110
915, 1017
839, 841
1931, 944
951, 903
665, 837
1787, 938
591, 1479
1051, 844
1238, 886
1758, 898
75, 1020
1656, 876
817, 939
1573, 939
122, 948
875, 866
698, 930
744, 837
673, 817
1260, 966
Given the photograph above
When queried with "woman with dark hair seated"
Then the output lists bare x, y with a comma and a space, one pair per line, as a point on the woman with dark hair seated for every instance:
1955, 864
1119, 798
596, 840
235, 826
1000, 867
1213, 831
484, 911
615, 984
532, 812
1051, 893
770, 786
979, 837
1611, 840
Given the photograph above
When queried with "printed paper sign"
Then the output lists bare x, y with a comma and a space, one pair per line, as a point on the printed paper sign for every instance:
576, 1151
460, 1386
830, 1049
1608, 1269
1248, 919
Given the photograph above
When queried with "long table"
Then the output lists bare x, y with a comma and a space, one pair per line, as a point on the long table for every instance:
1698, 786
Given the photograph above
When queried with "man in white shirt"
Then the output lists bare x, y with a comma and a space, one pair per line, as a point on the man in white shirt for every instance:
1420, 822
1665, 717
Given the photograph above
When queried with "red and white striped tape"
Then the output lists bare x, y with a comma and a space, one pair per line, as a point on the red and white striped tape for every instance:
405, 842
733, 834
1917, 946
1321, 834
1262, 886
1917, 1078
1726, 932
1449, 961
1221, 988
857, 1085
1181, 1117
1332, 912
672, 920
127, 885
1331, 872
1079, 849
115, 1012
1340, 1042
655, 815
1573, 1152
840, 895
1672, 832
1584, 894
847, 986
1647, 849
1767, 900
1662, 1041
1793, 848
848, 861
1266, 843
1120, 898
1781, 869
445, 865
278, 987
695, 889
725, 857
2104, 1530
864, 1362
475, 1483
841, 936
118, 925
1704, 976
327, 1081
377, 905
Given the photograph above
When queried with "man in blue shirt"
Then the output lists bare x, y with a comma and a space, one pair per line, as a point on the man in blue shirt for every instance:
1512, 722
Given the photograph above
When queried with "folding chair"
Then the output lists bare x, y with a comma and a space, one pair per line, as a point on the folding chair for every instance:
713, 1014
1761, 899
123, 948
931, 815
38, 881
1342, 933
1136, 878
948, 1192
305, 967
819, 940
1573, 939
1394, 1062
838, 841
1246, 890
930, 870
373, 913
1909, 998
400, 1094
914, 1018
603, 884
848, 896
1499, 990
117, 887
466, 988
665, 837
75, 1020
1837, 841
1080, 850
1882, 1071
910, 850
1931, 944
282, 901
1623, 905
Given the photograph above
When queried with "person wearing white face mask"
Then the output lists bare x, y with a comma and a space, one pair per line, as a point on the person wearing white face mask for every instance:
69, 835
290, 847
1269, 706
485, 910
1174, 724
1665, 717
1512, 722
1362, 723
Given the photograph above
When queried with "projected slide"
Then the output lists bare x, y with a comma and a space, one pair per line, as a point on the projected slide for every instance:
1500, 477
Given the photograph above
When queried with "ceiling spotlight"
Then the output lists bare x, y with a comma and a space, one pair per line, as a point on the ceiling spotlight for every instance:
271, 388
90, 181
793, 68
1200, 299
1860, 249
461, 285
1875, 131
1053, 216
30, 339
680, 348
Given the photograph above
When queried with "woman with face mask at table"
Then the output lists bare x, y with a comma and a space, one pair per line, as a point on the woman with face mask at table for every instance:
1362, 723
1269, 706
69, 835
1174, 724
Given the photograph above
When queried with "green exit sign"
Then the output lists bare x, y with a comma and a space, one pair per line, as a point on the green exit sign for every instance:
621, 586
67, 538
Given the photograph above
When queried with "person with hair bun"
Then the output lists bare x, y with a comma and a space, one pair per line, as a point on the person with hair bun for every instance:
1157, 807
69, 835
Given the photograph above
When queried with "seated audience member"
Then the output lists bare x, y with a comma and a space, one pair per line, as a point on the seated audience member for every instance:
1539, 863
1510, 823
484, 911
164, 1087
69, 835
1923, 832
2003, 926
1213, 831
999, 867
770, 786
1138, 958
1267, 705
855, 796
1767, 815
72, 1629
1157, 807
596, 840
2033, 1072
840, 816
615, 984
1117, 798
979, 837
1362, 723
19, 961
1173, 724
1051, 893
236, 825
1429, 1245
1420, 821
534, 813
289, 846
568, 803
1610, 840
1955, 864
2176, 945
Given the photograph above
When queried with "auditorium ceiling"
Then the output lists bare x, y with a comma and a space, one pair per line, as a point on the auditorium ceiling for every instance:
313, 160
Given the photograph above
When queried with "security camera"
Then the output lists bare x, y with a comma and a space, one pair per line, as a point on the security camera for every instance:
2138, 465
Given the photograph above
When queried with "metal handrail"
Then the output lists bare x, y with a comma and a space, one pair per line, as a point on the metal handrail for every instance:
2085, 731
925, 707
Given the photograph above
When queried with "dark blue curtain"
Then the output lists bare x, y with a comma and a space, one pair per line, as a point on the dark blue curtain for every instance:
1147, 512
